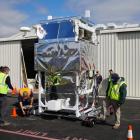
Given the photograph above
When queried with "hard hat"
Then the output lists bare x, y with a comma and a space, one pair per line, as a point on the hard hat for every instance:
56, 73
115, 77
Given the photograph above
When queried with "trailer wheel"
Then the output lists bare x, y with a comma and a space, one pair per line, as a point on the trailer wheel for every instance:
83, 123
91, 123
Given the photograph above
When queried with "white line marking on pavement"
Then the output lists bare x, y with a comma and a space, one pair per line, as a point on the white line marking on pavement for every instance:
27, 135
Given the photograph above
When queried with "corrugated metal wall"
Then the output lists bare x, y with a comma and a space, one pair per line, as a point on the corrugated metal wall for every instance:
121, 52
106, 53
10, 56
118, 51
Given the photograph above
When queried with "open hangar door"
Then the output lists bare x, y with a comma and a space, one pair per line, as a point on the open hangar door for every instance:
27, 56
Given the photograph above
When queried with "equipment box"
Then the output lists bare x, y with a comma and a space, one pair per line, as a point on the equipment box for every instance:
55, 105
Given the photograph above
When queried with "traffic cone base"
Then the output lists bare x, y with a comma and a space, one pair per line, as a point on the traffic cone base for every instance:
14, 112
130, 135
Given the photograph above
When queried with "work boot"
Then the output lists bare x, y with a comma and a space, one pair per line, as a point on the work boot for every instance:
5, 123
116, 126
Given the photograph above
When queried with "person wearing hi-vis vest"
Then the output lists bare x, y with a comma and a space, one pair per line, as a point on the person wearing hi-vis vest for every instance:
54, 81
25, 100
115, 97
5, 85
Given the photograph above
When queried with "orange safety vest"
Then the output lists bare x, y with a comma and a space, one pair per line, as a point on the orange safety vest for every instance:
27, 90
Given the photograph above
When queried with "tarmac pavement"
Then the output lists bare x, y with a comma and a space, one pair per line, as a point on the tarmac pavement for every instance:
53, 128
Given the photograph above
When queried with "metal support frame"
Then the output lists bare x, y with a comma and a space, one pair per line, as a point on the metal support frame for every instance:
42, 106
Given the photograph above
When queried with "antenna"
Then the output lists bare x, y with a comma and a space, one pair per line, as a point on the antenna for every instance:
49, 17
25, 30
87, 14
111, 25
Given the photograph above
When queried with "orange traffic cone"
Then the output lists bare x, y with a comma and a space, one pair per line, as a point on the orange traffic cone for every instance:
130, 135
14, 112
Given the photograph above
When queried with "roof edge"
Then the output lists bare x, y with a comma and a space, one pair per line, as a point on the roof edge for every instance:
120, 30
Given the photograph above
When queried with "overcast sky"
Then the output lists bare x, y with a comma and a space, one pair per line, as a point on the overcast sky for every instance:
17, 13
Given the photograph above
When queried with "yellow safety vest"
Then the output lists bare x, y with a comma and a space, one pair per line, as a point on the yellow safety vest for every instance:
3, 85
54, 80
113, 92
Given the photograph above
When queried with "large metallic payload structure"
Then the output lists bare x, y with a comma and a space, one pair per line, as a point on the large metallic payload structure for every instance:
66, 46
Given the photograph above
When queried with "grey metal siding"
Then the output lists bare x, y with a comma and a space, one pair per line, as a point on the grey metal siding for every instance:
10, 56
117, 50
128, 56
121, 52
106, 53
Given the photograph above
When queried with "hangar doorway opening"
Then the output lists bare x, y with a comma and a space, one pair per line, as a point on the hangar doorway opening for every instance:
27, 61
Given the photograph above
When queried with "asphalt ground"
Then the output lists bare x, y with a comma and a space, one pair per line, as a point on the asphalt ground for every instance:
51, 128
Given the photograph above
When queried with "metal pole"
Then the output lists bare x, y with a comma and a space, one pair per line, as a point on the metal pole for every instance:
39, 94
77, 95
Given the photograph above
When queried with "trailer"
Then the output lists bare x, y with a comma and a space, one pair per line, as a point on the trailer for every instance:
67, 46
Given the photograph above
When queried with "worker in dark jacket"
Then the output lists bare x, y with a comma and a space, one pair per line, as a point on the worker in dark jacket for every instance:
115, 97
110, 73
98, 79
5, 85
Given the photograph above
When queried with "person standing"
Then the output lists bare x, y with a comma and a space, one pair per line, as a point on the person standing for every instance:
110, 73
5, 84
54, 81
98, 79
115, 97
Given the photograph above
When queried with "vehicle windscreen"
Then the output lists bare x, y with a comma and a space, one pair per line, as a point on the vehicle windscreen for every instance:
55, 30
51, 30
66, 30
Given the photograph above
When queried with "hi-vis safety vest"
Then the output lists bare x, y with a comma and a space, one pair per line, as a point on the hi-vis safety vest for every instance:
54, 80
113, 92
3, 85
27, 90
